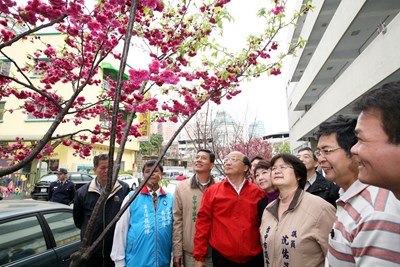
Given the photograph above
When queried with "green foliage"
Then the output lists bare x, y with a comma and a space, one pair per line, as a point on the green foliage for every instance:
284, 148
152, 147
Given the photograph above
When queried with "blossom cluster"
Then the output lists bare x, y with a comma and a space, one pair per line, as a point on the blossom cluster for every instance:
177, 36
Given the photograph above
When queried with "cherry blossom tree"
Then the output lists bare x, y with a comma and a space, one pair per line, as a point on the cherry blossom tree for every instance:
253, 147
185, 68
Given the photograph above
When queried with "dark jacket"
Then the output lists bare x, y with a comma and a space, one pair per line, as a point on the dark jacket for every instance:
325, 189
263, 203
85, 200
62, 192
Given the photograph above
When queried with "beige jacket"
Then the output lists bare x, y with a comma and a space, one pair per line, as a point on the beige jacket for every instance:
300, 238
187, 202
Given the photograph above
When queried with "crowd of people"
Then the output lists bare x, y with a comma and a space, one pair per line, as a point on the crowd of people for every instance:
336, 205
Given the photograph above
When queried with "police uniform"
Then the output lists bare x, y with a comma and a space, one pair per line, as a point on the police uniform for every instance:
62, 192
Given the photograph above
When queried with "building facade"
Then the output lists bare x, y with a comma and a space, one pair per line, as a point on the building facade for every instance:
32, 129
352, 47
256, 130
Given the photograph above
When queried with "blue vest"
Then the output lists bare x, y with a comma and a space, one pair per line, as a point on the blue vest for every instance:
149, 241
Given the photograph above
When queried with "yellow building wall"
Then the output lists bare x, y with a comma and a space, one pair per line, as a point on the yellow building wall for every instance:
17, 124
75, 163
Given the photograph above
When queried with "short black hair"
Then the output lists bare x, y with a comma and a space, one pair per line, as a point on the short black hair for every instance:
308, 149
212, 155
299, 168
256, 158
97, 158
262, 164
344, 129
151, 163
246, 162
386, 100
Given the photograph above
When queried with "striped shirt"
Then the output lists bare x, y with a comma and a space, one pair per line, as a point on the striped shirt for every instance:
367, 228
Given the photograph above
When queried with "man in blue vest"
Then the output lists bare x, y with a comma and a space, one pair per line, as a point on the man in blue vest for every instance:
143, 235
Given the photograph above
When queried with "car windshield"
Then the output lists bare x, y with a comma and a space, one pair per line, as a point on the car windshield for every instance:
49, 178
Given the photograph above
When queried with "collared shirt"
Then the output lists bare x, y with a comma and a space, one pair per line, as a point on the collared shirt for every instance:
367, 228
99, 186
151, 191
196, 184
237, 188
310, 181
202, 186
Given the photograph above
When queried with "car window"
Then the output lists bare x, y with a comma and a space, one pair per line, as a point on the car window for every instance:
126, 177
49, 178
75, 177
21, 238
86, 177
63, 228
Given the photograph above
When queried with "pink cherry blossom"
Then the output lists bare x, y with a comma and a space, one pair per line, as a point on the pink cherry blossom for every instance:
277, 10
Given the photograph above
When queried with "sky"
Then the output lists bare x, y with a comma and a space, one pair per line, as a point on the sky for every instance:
263, 98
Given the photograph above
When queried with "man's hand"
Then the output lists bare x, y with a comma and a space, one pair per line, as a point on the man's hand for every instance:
200, 264
178, 261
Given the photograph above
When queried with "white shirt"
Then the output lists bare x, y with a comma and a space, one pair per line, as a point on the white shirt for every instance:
310, 181
237, 188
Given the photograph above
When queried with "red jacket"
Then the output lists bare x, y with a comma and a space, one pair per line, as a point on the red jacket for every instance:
229, 222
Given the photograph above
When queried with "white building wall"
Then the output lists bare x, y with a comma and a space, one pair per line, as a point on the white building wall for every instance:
345, 14
359, 63
378, 61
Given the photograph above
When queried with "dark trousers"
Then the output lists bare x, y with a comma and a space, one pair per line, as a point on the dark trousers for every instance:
221, 261
99, 262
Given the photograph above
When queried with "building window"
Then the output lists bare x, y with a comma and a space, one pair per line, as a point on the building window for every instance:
2, 106
5, 66
105, 84
39, 114
40, 66
105, 121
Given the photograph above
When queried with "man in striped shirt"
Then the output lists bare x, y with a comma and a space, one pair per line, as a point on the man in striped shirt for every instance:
367, 229
378, 133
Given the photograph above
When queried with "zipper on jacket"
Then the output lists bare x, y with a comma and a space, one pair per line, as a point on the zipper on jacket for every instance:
104, 226
156, 231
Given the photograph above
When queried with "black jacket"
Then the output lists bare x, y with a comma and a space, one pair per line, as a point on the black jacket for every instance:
325, 189
62, 192
84, 202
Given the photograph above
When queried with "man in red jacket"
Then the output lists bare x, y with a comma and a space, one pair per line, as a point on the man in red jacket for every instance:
228, 219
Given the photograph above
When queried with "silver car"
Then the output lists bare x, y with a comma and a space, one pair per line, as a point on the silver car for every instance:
36, 233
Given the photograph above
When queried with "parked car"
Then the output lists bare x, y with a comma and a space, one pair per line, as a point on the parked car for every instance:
37, 233
174, 173
40, 190
132, 181
171, 174
171, 186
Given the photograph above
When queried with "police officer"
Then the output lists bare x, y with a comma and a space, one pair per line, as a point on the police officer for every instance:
62, 190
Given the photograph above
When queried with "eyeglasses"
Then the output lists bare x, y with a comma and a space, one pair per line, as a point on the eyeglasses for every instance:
280, 168
325, 152
233, 159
